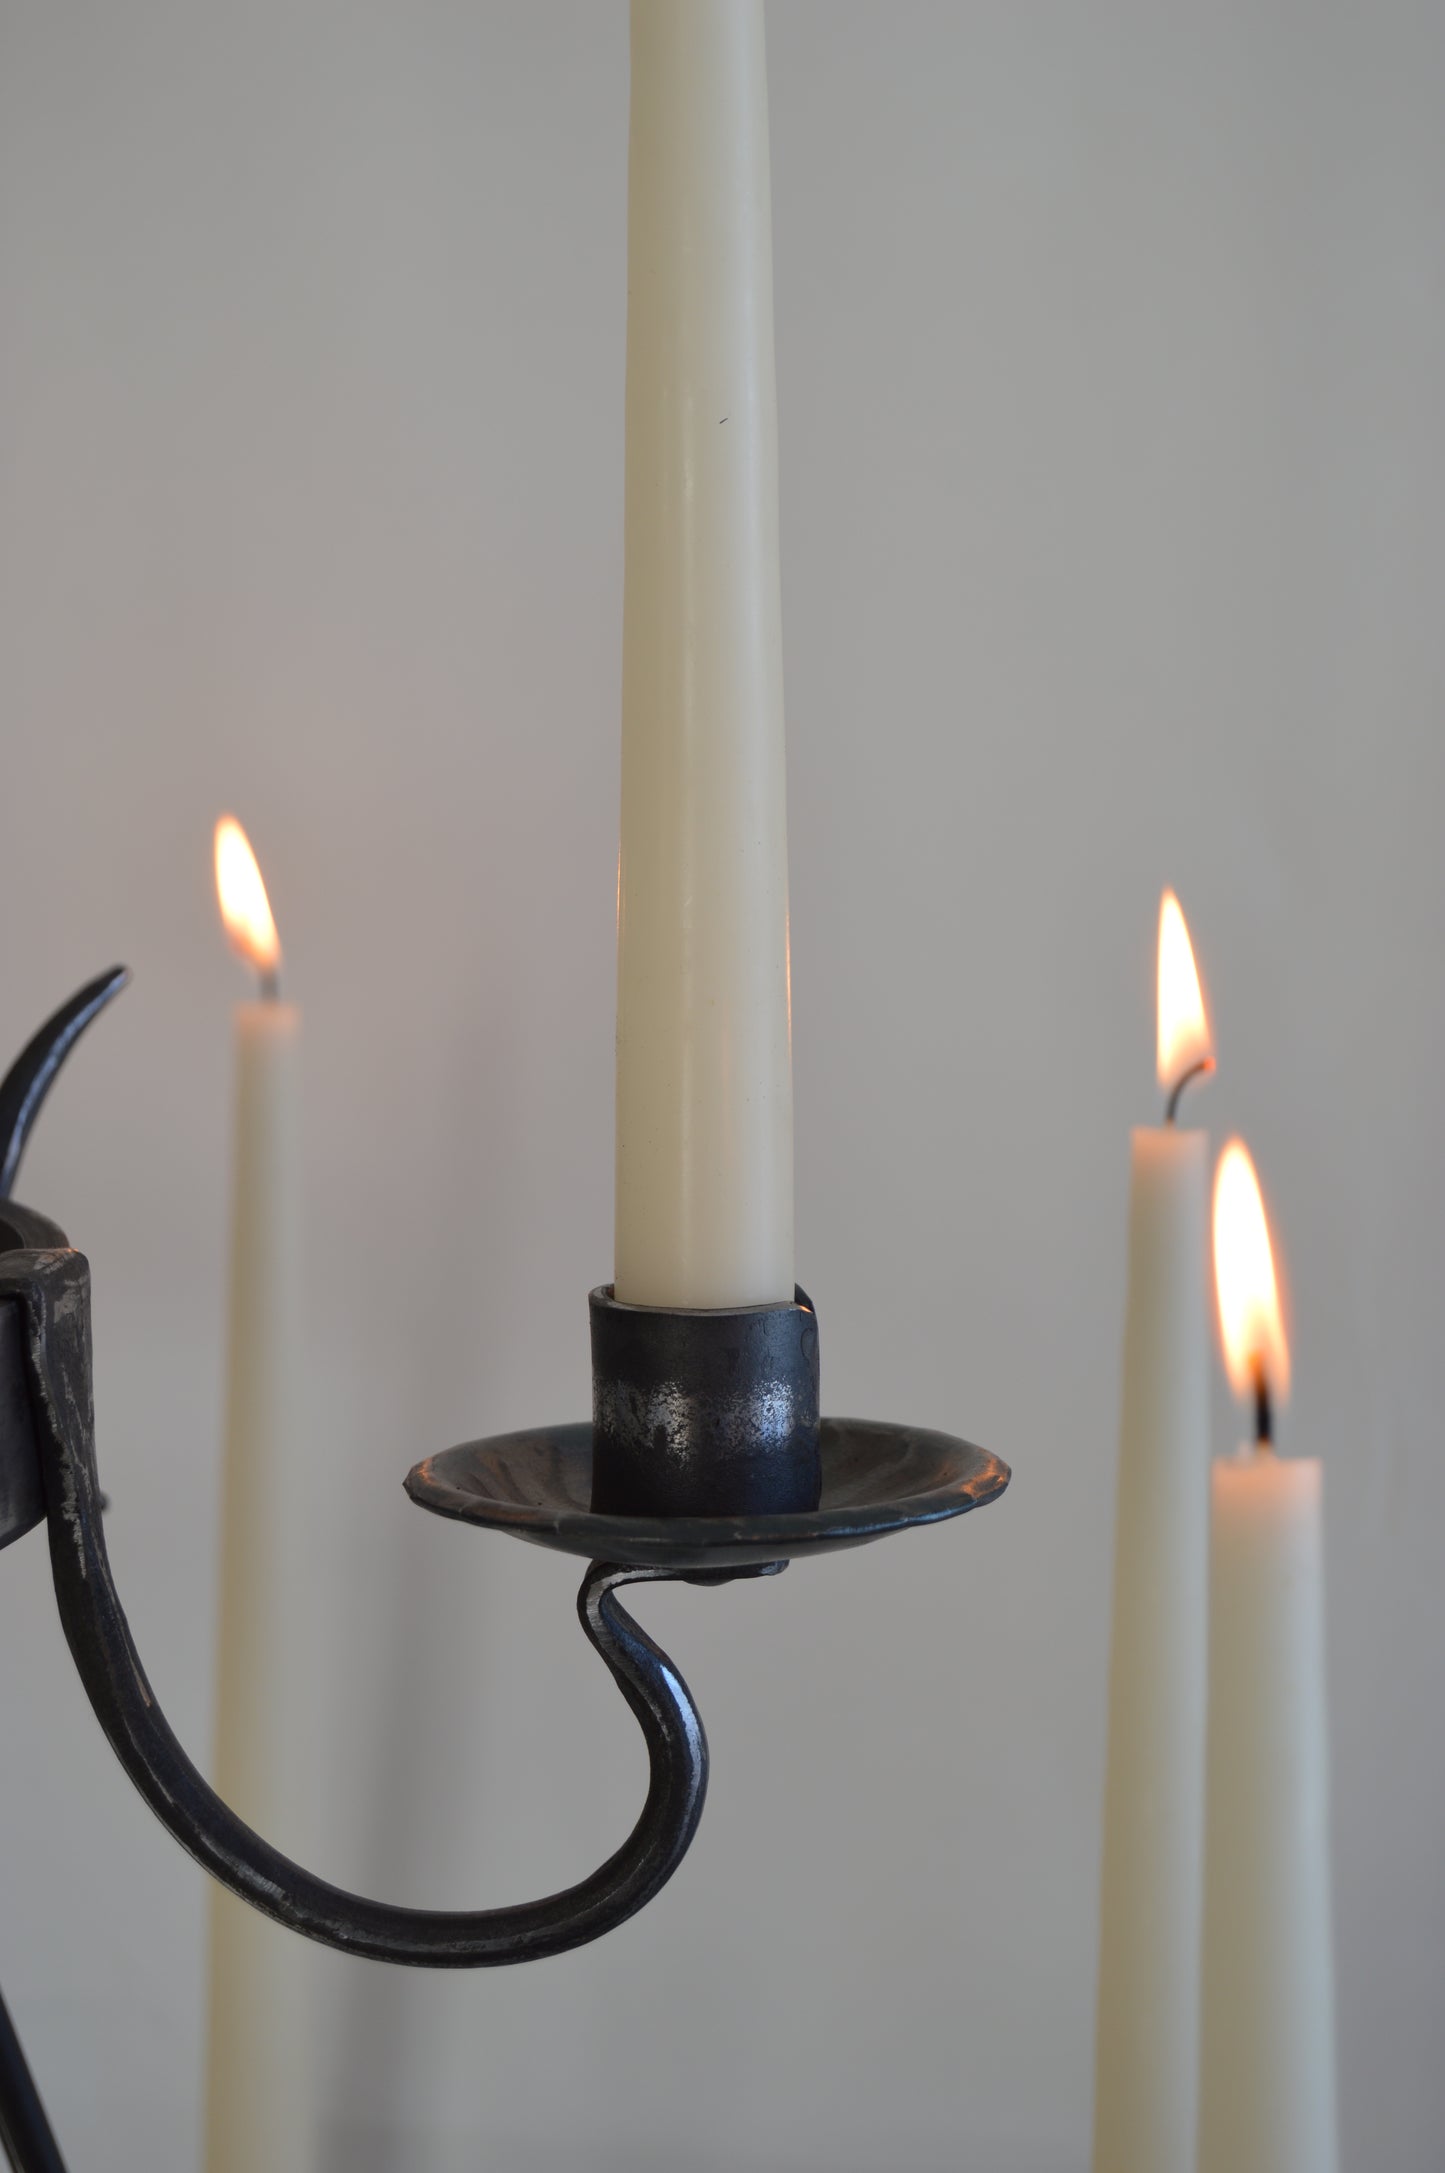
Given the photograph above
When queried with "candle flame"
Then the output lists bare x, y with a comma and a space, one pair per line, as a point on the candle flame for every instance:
245, 908
1256, 1354
1185, 1042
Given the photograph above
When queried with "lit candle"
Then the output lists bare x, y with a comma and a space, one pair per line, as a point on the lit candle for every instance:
704, 1065
258, 2102
1268, 2083
1147, 2055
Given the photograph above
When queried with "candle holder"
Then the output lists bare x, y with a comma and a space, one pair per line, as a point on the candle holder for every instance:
705, 1461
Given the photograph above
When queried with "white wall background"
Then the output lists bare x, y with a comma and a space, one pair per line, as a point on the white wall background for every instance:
1111, 354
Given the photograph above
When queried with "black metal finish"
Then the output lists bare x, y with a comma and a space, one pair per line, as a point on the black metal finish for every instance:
22, 1091
34, 1070
877, 1478
22, 1485
22, 1490
25, 2133
52, 1290
704, 1414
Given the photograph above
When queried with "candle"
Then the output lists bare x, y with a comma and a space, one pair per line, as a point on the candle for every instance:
704, 1064
1146, 2052
258, 2106
1268, 2080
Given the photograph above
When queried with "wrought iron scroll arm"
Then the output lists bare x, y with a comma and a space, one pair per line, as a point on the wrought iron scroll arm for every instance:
53, 1287
35, 1069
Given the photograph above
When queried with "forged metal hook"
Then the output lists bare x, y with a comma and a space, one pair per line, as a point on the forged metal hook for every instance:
34, 1071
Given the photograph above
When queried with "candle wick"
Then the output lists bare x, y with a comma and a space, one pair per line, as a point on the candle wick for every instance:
1263, 1409
1195, 1071
269, 982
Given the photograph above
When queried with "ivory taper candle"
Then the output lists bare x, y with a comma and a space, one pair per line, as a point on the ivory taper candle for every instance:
704, 1064
1146, 2052
258, 2067
1267, 2085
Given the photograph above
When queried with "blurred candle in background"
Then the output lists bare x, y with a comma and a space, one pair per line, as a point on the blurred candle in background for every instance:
1268, 2082
258, 2073
704, 1062
1147, 2049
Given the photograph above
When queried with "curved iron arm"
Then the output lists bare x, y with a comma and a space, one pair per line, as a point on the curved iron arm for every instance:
54, 1472
54, 1290
26, 2136
34, 1070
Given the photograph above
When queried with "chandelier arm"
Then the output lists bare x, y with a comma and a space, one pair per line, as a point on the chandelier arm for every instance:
36, 1068
26, 2135
54, 1290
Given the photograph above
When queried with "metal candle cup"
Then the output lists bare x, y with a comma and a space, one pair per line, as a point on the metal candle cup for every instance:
704, 1413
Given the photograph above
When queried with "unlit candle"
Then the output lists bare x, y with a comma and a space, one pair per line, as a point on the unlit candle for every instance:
704, 1065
